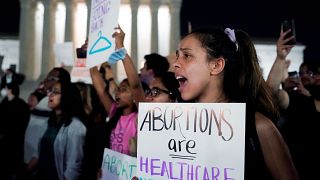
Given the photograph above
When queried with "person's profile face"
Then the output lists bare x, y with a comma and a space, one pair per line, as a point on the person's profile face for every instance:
8, 71
145, 73
316, 77
305, 75
32, 101
54, 95
123, 95
192, 68
157, 92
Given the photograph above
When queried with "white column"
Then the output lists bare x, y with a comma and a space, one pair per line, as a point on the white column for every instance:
48, 58
27, 38
134, 30
175, 6
88, 3
154, 8
70, 20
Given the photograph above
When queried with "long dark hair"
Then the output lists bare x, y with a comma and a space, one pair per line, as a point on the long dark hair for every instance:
171, 83
71, 103
113, 121
243, 79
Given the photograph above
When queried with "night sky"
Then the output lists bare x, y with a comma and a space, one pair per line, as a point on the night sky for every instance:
261, 19
9, 17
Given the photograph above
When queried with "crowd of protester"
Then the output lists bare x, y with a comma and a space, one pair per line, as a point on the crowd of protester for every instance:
63, 128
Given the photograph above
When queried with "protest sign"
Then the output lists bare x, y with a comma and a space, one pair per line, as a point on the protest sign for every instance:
117, 166
103, 19
65, 53
191, 141
81, 74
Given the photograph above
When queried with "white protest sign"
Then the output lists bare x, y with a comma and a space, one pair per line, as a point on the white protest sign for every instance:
103, 19
191, 141
81, 74
117, 166
65, 53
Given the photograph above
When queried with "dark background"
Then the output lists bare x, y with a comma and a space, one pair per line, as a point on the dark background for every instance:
261, 19
9, 17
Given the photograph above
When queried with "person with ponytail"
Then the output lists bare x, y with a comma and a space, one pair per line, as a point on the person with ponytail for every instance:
221, 66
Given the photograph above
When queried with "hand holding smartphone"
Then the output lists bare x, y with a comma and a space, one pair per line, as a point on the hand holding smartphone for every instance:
81, 53
294, 75
293, 80
286, 25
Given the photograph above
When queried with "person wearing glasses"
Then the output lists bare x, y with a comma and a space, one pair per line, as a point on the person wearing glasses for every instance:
123, 111
61, 152
38, 120
301, 112
162, 87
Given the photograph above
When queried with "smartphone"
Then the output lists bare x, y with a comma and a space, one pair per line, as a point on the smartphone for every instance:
292, 82
81, 53
294, 75
286, 25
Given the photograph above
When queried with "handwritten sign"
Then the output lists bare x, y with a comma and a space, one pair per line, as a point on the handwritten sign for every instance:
191, 141
117, 166
65, 53
103, 19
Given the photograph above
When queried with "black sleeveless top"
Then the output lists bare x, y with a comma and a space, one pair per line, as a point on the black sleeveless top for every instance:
255, 167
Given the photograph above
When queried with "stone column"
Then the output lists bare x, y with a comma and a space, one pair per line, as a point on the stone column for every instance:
154, 7
175, 6
27, 39
48, 57
88, 3
134, 30
70, 20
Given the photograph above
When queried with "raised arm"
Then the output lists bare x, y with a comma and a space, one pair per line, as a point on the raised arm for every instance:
100, 85
279, 69
131, 71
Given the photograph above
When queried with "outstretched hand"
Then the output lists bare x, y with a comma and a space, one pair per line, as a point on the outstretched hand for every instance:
119, 37
282, 49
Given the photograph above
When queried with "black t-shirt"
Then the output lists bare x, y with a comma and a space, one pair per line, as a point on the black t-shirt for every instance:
46, 162
14, 118
301, 132
255, 167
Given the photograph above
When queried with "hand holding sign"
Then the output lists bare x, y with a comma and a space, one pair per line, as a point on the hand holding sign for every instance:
119, 37
191, 141
103, 17
117, 166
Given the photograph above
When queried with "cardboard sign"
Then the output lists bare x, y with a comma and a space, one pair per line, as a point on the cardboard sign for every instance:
191, 141
117, 166
65, 53
103, 19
